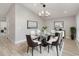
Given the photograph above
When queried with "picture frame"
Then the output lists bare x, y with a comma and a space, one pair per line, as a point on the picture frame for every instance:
32, 24
58, 24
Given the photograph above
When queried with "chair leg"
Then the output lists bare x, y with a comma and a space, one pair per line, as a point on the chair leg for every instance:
32, 50
40, 48
60, 47
27, 49
57, 50
51, 46
48, 48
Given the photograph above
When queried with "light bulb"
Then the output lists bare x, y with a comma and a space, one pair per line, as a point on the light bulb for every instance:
42, 12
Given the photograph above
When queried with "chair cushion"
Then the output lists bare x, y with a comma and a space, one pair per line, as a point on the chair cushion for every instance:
37, 42
33, 36
52, 40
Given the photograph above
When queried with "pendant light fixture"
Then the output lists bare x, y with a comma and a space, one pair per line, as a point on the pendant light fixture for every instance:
44, 12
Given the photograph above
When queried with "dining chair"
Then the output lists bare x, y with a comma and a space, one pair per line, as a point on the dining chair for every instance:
32, 32
33, 35
38, 32
53, 32
61, 39
54, 41
32, 43
62, 33
58, 42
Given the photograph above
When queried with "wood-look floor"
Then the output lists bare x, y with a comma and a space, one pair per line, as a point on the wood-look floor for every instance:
7, 48
70, 48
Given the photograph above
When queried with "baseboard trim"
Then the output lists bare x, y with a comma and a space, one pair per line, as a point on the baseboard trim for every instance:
77, 43
17, 42
67, 37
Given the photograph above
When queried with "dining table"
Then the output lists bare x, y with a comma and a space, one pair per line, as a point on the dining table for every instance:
43, 39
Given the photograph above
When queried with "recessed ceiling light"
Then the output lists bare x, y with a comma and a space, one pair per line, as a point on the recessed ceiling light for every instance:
65, 12
35, 4
39, 14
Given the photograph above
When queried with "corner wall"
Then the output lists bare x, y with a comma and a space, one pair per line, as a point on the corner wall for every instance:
17, 22
23, 14
10, 17
68, 22
77, 30
77, 26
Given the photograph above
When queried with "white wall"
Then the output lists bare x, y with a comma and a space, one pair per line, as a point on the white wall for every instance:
77, 23
10, 17
22, 15
17, 22
77, 30
68, 22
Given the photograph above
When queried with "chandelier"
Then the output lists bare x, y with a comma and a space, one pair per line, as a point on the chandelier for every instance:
44, 12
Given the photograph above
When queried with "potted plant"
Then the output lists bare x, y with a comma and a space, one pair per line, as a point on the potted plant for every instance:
73, 33
44, 28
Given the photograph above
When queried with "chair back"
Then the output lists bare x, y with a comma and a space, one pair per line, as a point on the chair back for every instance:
38, 32
57, 35
53, 31
33, 33
60, 39
62, 33
30, 41
48, 38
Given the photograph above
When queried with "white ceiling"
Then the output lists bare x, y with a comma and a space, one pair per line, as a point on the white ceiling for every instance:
56, 9
4, 7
